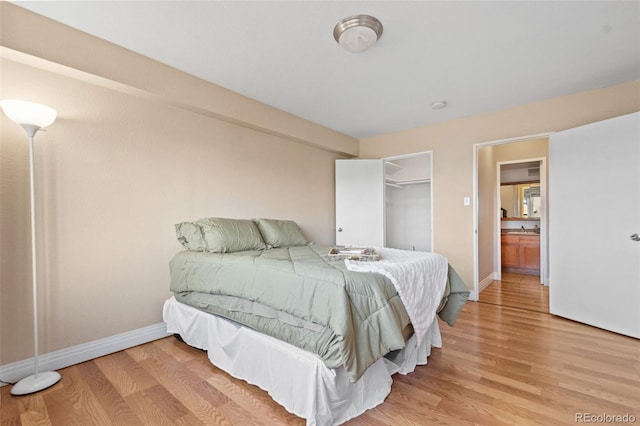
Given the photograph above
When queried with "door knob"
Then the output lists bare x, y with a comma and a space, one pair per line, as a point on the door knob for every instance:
635, 237
339, 229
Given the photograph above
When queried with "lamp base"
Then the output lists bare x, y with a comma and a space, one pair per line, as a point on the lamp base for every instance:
35, 383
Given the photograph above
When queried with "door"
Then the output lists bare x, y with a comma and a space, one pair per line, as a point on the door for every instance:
360, 203
594, 202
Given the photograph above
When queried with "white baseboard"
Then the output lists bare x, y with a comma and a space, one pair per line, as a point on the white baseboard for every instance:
475, 295
84, 352
488, 280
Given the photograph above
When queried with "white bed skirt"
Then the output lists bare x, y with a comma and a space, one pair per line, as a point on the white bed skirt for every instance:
296, 379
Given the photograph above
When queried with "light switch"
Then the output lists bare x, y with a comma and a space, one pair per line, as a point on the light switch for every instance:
467, 201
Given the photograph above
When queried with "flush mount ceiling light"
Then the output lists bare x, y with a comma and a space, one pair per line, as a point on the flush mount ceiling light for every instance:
357, 33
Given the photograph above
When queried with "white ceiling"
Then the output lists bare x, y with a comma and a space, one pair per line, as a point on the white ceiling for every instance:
478, 56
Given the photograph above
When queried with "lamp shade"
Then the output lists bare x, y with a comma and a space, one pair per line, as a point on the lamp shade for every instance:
29, 113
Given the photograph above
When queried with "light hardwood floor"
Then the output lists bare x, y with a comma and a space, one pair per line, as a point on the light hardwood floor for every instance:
498, 366
517, 291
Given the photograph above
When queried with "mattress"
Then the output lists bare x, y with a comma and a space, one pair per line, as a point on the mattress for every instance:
301, 296
296, 379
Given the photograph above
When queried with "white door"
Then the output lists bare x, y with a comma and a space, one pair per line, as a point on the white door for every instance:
594, 210
360, 203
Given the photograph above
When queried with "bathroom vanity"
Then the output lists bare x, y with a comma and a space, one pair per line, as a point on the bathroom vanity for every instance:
520, 252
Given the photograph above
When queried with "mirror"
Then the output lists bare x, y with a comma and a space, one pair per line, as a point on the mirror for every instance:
529, 199
520, 200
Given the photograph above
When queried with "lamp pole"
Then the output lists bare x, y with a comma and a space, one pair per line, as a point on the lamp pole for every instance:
31, 132
37, 381
32, 117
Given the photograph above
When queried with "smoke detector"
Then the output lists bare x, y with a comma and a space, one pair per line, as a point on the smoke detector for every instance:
438, 104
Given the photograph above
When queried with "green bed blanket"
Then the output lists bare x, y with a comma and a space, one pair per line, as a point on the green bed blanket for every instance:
302, 296
456, 295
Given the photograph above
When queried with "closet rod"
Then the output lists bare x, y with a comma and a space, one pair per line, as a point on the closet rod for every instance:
393, 164
393, 184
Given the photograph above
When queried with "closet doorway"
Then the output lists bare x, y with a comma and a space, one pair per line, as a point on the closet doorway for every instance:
385, 202
408, 216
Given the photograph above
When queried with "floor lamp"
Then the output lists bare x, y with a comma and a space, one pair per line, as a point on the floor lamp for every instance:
32, 117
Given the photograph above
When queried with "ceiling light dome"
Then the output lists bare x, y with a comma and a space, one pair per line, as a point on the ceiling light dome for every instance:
357, 33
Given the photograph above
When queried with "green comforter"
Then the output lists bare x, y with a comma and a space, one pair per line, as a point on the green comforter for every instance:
299, 295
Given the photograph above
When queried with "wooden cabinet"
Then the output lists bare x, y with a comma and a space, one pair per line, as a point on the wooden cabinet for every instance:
510, 252
521, 254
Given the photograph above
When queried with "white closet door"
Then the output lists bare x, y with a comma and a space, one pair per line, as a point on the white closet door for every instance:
360, 203
594, 209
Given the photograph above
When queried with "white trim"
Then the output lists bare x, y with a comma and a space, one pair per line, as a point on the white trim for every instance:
473, 296
476, 267
544, 223
83, 352
488, 280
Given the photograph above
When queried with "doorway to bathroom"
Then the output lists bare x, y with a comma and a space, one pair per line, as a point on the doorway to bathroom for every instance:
511, 223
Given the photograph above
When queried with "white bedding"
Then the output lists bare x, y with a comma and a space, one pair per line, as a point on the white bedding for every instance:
296, 379
420, 279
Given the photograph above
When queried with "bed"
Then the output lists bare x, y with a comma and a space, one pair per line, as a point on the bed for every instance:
330, 332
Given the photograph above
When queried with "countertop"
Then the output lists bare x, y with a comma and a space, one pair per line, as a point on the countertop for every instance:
518, 231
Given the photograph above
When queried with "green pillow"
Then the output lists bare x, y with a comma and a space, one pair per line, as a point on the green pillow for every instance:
229, 235
280, 233
190, 236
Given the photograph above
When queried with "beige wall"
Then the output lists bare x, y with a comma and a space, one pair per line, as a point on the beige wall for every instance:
452, 144
487, 184
85, 57
509, 200
123, 163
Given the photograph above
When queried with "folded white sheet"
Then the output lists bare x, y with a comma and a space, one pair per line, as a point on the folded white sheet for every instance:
420, 279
